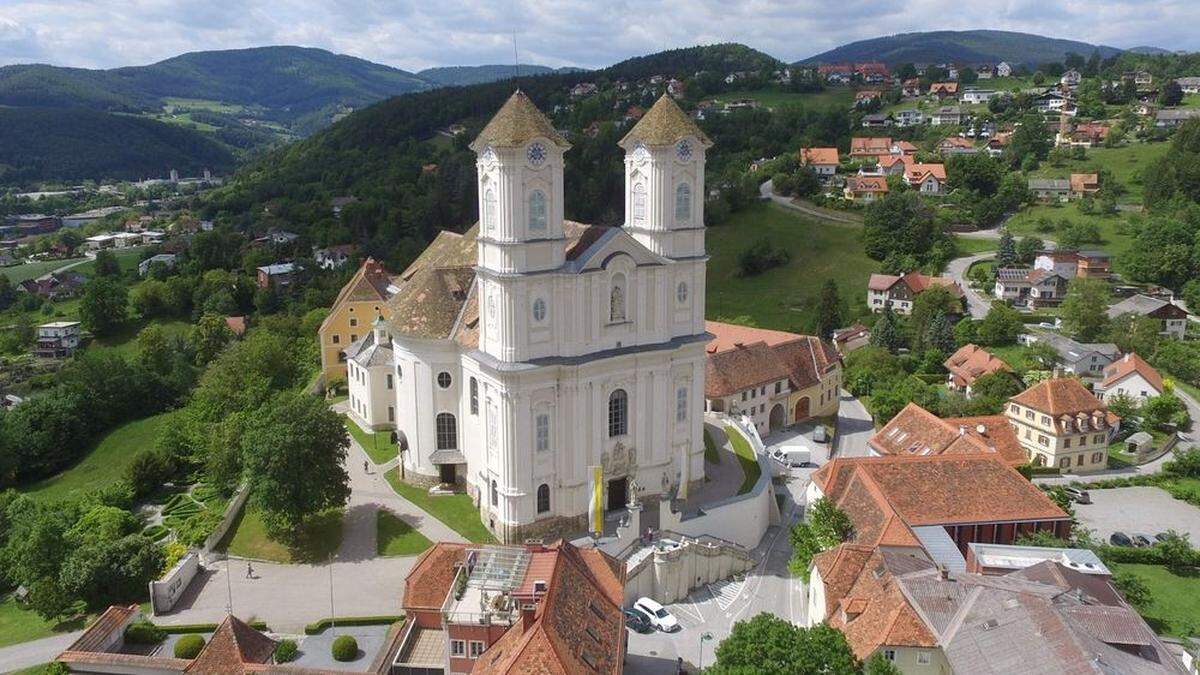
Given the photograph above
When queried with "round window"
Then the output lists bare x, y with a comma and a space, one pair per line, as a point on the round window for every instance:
539, 310
681, 292
443, 380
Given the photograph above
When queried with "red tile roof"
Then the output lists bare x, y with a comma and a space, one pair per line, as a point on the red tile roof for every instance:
431, 576
1127, 365
233, 646
876, 612
917, 173
870, 145
1085, 182
735, 365
1060, 396
96, 635
970, 362
915, 281
818, 156
866, 184
915, 431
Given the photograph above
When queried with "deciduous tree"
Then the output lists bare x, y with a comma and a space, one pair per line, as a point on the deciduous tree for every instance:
1085, 307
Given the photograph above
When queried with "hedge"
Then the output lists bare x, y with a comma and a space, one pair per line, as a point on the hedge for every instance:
184, 628
320, 626
144, 633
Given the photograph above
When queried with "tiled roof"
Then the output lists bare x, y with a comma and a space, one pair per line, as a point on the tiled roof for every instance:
435, 287
734, 366
957, 142
370, 282
970, 362
114, 618
663, 124
915, 281
915, 431
839, 568
516, 123
850, 332
727, 336
1059, 396
919, 172
1085, 182
866, 184
1127, 365
818, 155
878, 614
870, 145
429, 581
232, 646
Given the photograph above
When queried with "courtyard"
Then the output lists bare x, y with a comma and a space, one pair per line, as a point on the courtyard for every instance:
1146, 510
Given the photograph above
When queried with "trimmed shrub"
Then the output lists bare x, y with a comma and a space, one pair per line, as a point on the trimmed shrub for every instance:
286, 651
345, 648
188, 646
144, 633
381, 620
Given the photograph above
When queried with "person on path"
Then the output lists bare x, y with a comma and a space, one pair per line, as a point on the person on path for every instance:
249, 571
365, 468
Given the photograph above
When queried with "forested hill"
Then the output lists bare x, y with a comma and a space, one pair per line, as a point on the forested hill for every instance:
452, 76
970, 46
719, 58
47, 143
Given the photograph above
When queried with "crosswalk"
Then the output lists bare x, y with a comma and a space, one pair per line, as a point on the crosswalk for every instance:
727, 591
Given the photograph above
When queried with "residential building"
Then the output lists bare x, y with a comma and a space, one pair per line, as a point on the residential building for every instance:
362, 300
583, 89
1173, 117
862, 147
1051, 101
1071, 78
1082, 359
31, 224
1062, 424
968, 364
773, 377
865, 188
338, 204
1172, 319
946, 115
927, 179
277, 274
333, 257
1130, 376
1189, 85
907, 117
57, 340
823, 161
890, 165
1032, 288
1084, 135
956, 145
985, 71
87, 217
55, 286
996, 559
515, 609
1063, 263
876, 121
1093, 264
1050, 189
899, 292
916, 432
865, 96
530, 347
846, 340
165, 259
943, 90
903, 148
1084, 184
911, 88
237, 325
976, 96
872, 71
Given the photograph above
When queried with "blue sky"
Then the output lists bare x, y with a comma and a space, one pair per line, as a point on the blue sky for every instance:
415, 34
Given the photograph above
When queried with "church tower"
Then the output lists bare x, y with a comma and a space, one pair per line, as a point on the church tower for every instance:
664, 181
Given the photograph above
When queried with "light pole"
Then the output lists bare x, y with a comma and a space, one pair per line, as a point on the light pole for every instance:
704, 637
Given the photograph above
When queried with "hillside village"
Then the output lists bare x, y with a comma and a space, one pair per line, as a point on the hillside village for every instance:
697, 358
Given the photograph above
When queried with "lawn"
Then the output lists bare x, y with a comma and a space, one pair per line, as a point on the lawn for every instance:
127, 258
1173, 608
785, 297
745, 454
18, 624
1025, 223
123, 341
456, 511
710, 449
106, 463
379, 445
973, 246
1125, 162
834, 97
19, 273
248, 539
393, 536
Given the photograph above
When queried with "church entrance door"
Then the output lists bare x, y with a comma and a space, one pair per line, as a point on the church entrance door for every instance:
617, 493
446, 473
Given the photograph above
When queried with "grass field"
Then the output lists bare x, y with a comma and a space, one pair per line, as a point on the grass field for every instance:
1125, 163
786, 297
378, 445
456, 511
19, 273
106, 463
124, 340
393, 536
1026, 223
745, 454
972, 246
248, 539
1173, 609
18, 624
203, 104
834, 97
127, 258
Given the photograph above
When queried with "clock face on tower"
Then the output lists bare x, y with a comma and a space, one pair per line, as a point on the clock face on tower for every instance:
641, 154
683, 150
536, 154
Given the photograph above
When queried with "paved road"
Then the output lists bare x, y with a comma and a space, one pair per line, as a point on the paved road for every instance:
977, 303
855, 428
27, 654
767, 191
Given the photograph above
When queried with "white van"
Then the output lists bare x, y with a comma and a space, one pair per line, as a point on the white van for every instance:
791, 455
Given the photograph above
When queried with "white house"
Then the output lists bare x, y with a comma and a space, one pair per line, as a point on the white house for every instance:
1003, 69
1132, 377
58, 339
977, 96
530, 349
907, 117
946, 115
1071, 78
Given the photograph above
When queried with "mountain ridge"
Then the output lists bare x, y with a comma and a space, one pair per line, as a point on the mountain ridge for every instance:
971, 46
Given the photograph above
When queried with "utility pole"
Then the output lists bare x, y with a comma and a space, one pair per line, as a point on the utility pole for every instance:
332, 614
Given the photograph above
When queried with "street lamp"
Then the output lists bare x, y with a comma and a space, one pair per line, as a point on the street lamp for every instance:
704, 637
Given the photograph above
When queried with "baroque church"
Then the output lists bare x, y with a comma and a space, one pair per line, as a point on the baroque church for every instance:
529, 348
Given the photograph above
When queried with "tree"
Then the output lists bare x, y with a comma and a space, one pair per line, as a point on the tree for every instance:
889, 400
1135, 591
826, 527
1006, 255
886, 331
8, 293
1085, 307
1133, 333
1030, 141
900, 223
294, 450
829, 310
976, 172
999, 385
1158, 411
154, 349
934, 302
1028, 249
107, 265
209, 337
1039, 356
102, 309
1000, 326
877, 664
965, 331
940, 336
1172, 94
770, 645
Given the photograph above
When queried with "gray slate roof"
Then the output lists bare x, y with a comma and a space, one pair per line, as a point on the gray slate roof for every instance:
1137, 304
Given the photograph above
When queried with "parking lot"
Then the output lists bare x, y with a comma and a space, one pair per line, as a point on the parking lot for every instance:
1142, 510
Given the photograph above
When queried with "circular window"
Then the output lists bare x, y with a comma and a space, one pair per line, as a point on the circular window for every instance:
443, 380
681, 292
539, 310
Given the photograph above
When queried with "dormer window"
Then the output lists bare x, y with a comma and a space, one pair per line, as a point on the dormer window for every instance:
537, 211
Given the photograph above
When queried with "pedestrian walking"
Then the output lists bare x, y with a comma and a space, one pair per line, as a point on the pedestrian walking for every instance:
249, 571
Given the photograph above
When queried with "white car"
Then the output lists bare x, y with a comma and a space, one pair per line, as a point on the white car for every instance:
660, 618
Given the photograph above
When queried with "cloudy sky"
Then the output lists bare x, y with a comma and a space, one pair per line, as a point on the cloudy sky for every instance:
415, 34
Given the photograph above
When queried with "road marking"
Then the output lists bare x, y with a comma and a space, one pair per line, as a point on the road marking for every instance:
726, 592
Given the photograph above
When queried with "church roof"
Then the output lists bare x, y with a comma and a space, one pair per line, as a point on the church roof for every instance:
516, 123
663, 124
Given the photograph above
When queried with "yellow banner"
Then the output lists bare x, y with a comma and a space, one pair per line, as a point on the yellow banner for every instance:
596, 499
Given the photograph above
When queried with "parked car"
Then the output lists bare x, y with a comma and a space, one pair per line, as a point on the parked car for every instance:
1120, 539
820, 435
1079, 495
659, 617
637, 621
1141, 540
791, 455
1165, 536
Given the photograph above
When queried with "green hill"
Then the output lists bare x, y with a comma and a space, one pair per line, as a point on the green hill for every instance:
720, 58
452, 76
970, 46
77, 143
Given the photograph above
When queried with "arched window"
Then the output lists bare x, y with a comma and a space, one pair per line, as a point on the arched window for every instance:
495, 494
618, 413
639, 202
447, 432
474, 396
681, 404
539, 310
683, 203
616, 299
543, 498
681, 292
489, 210
541, 428
537, 211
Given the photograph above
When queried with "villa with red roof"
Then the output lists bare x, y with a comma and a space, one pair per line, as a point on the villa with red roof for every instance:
1130, 376
969, 363
915, 431
1060, 423
899, 292
823, 161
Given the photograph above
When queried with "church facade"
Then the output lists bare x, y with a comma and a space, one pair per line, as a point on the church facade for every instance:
530, 348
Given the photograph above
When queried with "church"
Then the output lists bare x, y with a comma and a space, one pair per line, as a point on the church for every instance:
522, 352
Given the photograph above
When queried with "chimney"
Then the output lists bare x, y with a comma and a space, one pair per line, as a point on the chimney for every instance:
1058, 372
528, 610
981, 429
1126, 359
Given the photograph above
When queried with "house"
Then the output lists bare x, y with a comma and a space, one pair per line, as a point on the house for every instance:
955, 145
875, 121
1084, 135
339, 204
1032, 288
55, 286
1064, 263
985, 71
872, 71
1003, 69
970, 363
865, 188
166, 259
997, 559
1174, 117
498, 610
839, 73
911, 88
57, 340
1082, 359
928, 179
1062, 424
775, 378
943, 90
907, 117
903, 148
88, 217
277, 274
333, 257
862, 147
890, 165
277, 238
1172, 319
31, 224
846, 340
99, 242
1132, 377
675, 88
1093, 264
823, 161
1071, 78
1050, 189
975, 96
863, 96
916, 432
1050, 101
1189, 85
362, 300
583, 89
946, 115
1084, 184
899, 292
237, 325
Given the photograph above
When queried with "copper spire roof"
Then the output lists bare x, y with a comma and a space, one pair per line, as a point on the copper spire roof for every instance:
516, 123
664, 124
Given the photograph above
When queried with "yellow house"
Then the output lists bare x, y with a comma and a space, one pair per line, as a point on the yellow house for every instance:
360, 301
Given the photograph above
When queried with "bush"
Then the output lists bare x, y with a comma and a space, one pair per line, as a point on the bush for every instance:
149, 470
381, 620
189, 646
144, 633
345, 648
761, 257
286, 651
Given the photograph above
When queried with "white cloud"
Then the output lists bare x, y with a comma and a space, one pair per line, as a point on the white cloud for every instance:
415, 34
